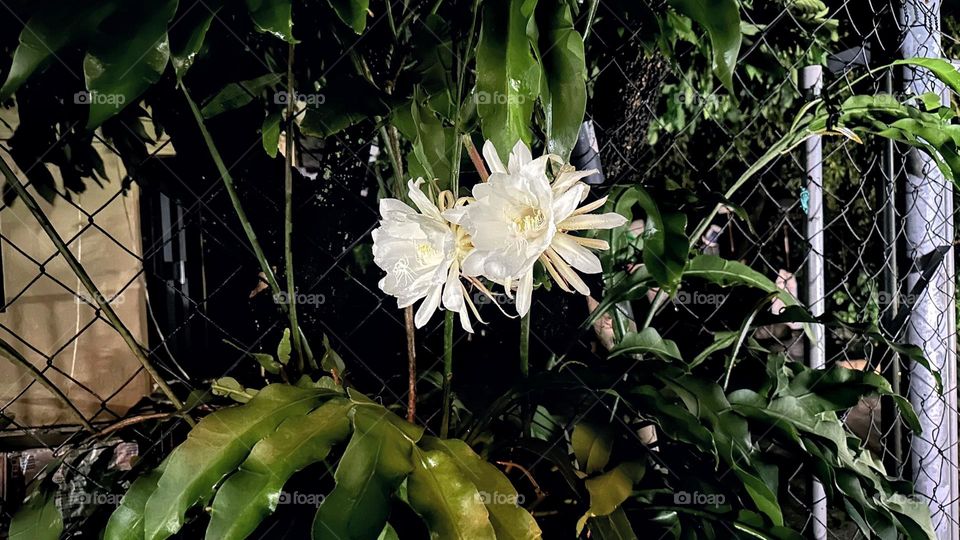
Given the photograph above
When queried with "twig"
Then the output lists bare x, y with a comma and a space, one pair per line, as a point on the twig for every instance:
447, 372
533, 482
127, 422
288, 213
88, 284
475, 157
411, 365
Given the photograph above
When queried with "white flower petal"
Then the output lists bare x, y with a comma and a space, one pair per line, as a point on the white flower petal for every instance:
492, 158
426, 207
428, 307
394, 209
525, 293
572, 278
473, 263
576, 255
455, 214
567, 179
581, 222
565, 204
519, 156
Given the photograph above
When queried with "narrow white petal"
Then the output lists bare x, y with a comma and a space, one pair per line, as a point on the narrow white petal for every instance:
452, 290
568, 274
428, 307
525, 293
393, 209
568, 178
582, 222
426, 207
492, 158
592, 243
455, 215
576, 255
519, 156
564, 205
587, 208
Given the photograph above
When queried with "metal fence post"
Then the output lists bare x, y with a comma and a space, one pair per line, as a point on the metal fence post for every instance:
811, 84
928, 203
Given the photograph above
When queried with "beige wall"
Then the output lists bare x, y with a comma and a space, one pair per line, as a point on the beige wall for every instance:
48, 316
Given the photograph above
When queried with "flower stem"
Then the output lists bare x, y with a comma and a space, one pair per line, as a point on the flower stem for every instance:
411, 365
242, 216
475, 157
447, 372
288, 214
526, 411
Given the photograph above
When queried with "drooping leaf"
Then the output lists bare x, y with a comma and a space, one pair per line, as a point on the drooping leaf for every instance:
236, 95
377, 459
38, 518
126, 522
942, 69
214, 448
592, 445
564, 94
508, 74
272, 17
446, 499
189, 31
252, 493
47, 32
127, 55
666, 246
331, 360
270, 133
347, 100
510, 521
721, 19
352, 12
610, 489
647, 340
727, 273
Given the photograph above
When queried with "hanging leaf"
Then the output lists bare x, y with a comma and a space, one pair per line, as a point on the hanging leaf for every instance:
252, 493
236, 95
564, 94
726, 273
272, 17
346, 100
284, 347
189, 31
665, 246
353, 13
508, 74
127, 55
721, 19
591, 446
647, 340
271, 133
610, 489
38, 518
214, 448
331, 361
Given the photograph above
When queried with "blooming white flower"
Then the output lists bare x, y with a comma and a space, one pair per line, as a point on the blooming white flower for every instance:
519, 217
421, 254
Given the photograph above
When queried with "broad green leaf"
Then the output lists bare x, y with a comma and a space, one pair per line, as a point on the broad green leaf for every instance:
284, 348
272, 17
346, 100
214, 448
630, 287
352, 12
188, 32
666, 246
592, 446
508, 74
271, 133
675, 421
647, 340
942, 69
732, 273
126, 522
388, 533
610, 489
252, 493
37, 519
721, 19
49, 30
564, 94
615, 526
440, 492
236, 95
510, 521
127, 55
377, 459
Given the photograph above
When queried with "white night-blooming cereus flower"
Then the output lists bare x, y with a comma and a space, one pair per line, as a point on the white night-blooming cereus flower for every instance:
519, 217
421, 254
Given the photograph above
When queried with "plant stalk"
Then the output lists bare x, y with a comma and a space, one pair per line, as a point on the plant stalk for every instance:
242, 216
288, 213
411, 364
447, 372
91, 288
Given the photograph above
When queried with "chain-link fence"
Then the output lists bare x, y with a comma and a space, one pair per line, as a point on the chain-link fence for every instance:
850, 231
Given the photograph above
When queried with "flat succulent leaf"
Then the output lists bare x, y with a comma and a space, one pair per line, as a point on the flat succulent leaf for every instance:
510, 521
508, 73
272, 17
188, 33
215, 447
378, 458
564, 93
48, 31
270, 133
726, 273
450, 504
38, 518
353, 13
610, 489
649, 341
237, 94
592, 445
665, 246
252, 493
346, 100
721, 19
126, 522
127, 55
614, 526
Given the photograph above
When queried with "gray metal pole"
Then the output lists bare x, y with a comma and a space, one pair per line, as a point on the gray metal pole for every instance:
811, 83
928, 205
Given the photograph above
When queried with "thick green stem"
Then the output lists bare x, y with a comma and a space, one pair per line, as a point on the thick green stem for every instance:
447, 372
7, 351
88, 284
242, 216
288, 212
526, 410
